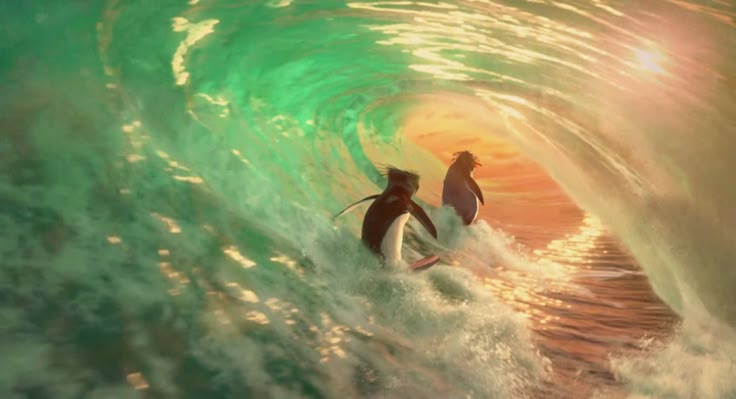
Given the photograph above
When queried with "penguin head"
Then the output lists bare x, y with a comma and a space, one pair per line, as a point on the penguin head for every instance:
466, 160
408, 181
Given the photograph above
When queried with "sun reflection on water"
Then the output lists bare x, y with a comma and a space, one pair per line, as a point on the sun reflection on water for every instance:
234, 254
243, 294
195, 32
168, 222
574, 248
137, 380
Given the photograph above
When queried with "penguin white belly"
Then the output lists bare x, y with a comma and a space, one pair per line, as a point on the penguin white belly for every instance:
473, 203
394, 238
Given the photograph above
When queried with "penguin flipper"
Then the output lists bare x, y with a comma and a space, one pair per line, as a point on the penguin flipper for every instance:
419, 213
355, 204
475, 189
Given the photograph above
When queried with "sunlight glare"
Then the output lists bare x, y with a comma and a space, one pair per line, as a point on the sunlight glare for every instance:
650, 60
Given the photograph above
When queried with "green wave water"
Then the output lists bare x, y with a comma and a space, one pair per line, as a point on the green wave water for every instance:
170, 172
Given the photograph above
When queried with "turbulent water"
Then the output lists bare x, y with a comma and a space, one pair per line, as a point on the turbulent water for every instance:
170, 170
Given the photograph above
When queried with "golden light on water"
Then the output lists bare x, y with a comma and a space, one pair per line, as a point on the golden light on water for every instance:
240, 156
426, 38
575, 247
243, 294
189, 179
234, 254
257, 317
137, 380
195, 32
288, 262
169, 222
332, 335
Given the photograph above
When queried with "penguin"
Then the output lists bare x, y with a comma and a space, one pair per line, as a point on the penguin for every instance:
459, 189
383, 225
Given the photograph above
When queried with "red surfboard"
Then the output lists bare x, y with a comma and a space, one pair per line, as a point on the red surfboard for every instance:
425, 263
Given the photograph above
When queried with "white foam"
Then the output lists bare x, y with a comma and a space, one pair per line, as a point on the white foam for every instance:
698, 362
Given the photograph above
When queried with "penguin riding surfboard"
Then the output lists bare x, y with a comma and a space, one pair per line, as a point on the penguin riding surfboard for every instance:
383, 224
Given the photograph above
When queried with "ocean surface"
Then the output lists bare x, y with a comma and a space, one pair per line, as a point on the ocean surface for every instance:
170, 172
